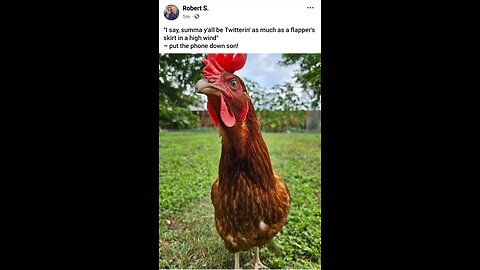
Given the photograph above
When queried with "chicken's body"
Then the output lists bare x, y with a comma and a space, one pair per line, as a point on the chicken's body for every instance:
251, 201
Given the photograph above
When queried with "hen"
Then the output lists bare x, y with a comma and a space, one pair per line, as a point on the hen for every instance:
251, 201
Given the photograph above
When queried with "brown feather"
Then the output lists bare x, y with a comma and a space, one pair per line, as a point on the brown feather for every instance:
251, 202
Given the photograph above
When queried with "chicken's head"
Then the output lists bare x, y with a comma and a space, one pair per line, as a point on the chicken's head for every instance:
226, 92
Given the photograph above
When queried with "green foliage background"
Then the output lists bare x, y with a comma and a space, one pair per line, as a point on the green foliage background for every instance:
178, 74
309, 76
278, 121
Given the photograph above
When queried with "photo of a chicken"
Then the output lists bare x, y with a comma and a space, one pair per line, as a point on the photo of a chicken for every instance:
251, 201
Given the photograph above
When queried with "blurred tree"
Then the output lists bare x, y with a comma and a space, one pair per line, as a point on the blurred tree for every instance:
256, 93
308, 76
178, 74
278, 108
287, 99
279, 97
282, 108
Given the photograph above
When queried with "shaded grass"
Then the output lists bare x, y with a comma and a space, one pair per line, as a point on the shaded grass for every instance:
188, 167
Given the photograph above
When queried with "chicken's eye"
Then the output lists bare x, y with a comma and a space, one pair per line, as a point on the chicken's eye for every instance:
233, 83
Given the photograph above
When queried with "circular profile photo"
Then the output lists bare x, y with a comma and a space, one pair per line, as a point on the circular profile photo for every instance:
171, 12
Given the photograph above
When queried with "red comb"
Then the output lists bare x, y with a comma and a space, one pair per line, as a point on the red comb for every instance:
216, 63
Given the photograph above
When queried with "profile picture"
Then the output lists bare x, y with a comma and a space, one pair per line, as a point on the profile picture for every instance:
171, 12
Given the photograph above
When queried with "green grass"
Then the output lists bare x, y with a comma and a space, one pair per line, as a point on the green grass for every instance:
188, 167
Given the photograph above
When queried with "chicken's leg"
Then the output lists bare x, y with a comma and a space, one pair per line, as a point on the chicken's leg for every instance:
237, 260
257, 264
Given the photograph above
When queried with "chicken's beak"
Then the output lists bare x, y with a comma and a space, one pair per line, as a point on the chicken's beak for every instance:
206, 88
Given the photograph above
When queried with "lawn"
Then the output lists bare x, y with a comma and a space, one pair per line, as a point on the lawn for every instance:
188, 168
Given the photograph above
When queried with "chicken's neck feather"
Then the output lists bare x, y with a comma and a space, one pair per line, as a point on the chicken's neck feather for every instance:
245, 155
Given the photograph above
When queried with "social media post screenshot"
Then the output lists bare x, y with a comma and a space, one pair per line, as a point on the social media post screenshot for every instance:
247, 26
240, 134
